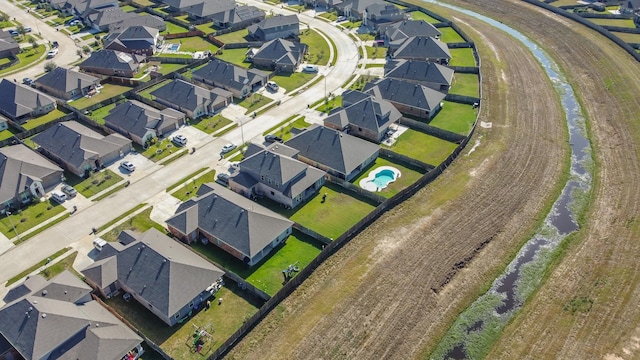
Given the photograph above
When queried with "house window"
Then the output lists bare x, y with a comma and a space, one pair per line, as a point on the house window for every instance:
178, 316
273, 194
191, 304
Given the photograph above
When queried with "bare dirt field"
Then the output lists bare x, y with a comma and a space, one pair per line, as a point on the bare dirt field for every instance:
393, 290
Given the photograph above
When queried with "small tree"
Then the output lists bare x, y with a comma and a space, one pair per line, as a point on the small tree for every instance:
4, 17
86, 49
79, 53
50, 66
34, 43
21, 30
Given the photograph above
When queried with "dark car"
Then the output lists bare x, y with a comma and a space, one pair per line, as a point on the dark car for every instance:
223, 179
27, 81
55, 44
69, 190
272, 138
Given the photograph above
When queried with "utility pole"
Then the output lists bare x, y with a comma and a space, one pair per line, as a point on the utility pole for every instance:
13, 226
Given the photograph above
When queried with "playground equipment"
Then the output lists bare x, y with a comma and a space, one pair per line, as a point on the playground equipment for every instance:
290, 271
201, 335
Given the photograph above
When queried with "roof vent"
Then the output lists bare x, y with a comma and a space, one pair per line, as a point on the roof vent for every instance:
65, 292
44, 292
44, 315
35, 301
164, 260
30, 308
97, 325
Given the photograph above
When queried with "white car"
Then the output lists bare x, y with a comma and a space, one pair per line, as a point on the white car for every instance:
227, 148
273, 86
310, 69
180, 140
52, 53
128, 165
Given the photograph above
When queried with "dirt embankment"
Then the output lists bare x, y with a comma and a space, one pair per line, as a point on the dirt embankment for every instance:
375, 298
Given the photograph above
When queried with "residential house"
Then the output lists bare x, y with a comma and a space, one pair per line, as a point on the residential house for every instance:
206, 9
405, 29
80, 149
382, 13
365, 115
25, 175
57, 319
8, 45
83, 8
141, 122
4, 123
630, 7
235, 79
409, 98
433, 75
235, 224
333, 151
163, 275
113, 63
101, 19
140, 40
280, 55
279, 26
20, 102
420, 48
149, 21
239, 17
179, 5
67, 84
193, 100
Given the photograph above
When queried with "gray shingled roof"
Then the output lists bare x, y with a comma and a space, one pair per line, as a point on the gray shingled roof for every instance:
403, 92
110, 15
232, 76
209, 7
422, 47
62, 327
333, 148
235, 220
7, 42
274, 22
178, 4
150, 21
138, 118
418, 71
189, 96
371, 112
29, 285
133, 37
18, 100
20, 167
238, 14
111, 59
280, 51
66, 80
359, 5
408, 28
380, 10
77, 143
161, 270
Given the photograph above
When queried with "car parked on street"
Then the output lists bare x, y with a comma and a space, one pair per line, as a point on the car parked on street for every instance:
128, 165
223, 179
27, 81
272, 138
53, 52
310, 69
228, 148
69, 190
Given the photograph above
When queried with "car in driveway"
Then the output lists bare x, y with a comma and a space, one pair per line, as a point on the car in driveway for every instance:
14, 33
128, 165
228, 148
223, 179
271, 85
310, 69
58, 196
341, 18
27, 81
69, 190
180, 140
272, 138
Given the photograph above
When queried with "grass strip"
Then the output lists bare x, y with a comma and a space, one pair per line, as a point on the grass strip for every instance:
42, 228
112, 222
185, 179
36, 266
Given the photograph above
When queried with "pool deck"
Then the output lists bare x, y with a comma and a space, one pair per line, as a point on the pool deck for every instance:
368, 184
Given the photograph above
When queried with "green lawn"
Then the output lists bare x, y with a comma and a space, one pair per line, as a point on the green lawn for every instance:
29, 217
193, 44
26, 58
327, 106
284, 131
235, 56
146, 93
368, 66
465, 84
331, 16
140, 223
144, 2
99, 114
108, 91
351, 24
319, 51
407, 177
36, 266
183, 18
9, 132
254, 102
292, 81
239, 36
62, 265
220, 320
626, 37
173, 29
449, 35
455, 117
462, 57
366, 37
190, 188
376, 52
423, 147
167, 68
210, 124
267, 275
128, 8
32, 123
160, 149
628, 23
121, 217
98, 182
206, 28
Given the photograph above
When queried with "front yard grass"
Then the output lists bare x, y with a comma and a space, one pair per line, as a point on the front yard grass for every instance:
462, 57
235, 56
62, 265
465, 84
319, 51
254, 102
284, 130
239, 36
97, 182
108, 91
210, 124
193, 44
419, 15
160, 149
33, 268
191, 187
9, 132
455, 117
292, 81
449, 35
333, 103
407, 177
29, 217
331, 16
423, 147
27, 57
141, 223
32, 123
376, 52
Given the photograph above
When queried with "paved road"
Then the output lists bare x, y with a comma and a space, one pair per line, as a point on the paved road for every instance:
77, 227
67, 52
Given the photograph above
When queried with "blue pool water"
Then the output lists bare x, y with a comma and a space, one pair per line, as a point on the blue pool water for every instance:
174, 47
383, 178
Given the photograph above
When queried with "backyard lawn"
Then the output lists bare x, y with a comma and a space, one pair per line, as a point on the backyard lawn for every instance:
210, 124
239, 36
28, 57
419, 15
9, 132
99, 114
32, 123
253, 102
292, 81
108, 91
406, 178
423, 147
190, 188
146, 93
627, 37
193, 44
207, 28
455, 117
628, 23
462, 57
128, 8
235, 56
29, 217
465, 84
167, 68
449, 35
99, 181
141, 223
177, 341
319, 51
173, 28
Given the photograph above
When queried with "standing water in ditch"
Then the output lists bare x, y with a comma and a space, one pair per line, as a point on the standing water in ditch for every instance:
473, 333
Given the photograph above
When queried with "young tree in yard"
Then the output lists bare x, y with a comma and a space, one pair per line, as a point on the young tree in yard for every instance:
79, 53
50, 66
86, 49
21, 30
34, 43
4, 17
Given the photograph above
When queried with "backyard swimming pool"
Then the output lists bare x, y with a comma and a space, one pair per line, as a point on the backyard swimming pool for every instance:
173, 47
380, 178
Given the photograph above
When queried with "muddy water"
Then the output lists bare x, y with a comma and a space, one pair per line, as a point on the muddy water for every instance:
471, 334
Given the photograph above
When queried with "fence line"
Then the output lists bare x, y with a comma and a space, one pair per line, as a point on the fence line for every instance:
432, 130
319, 237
